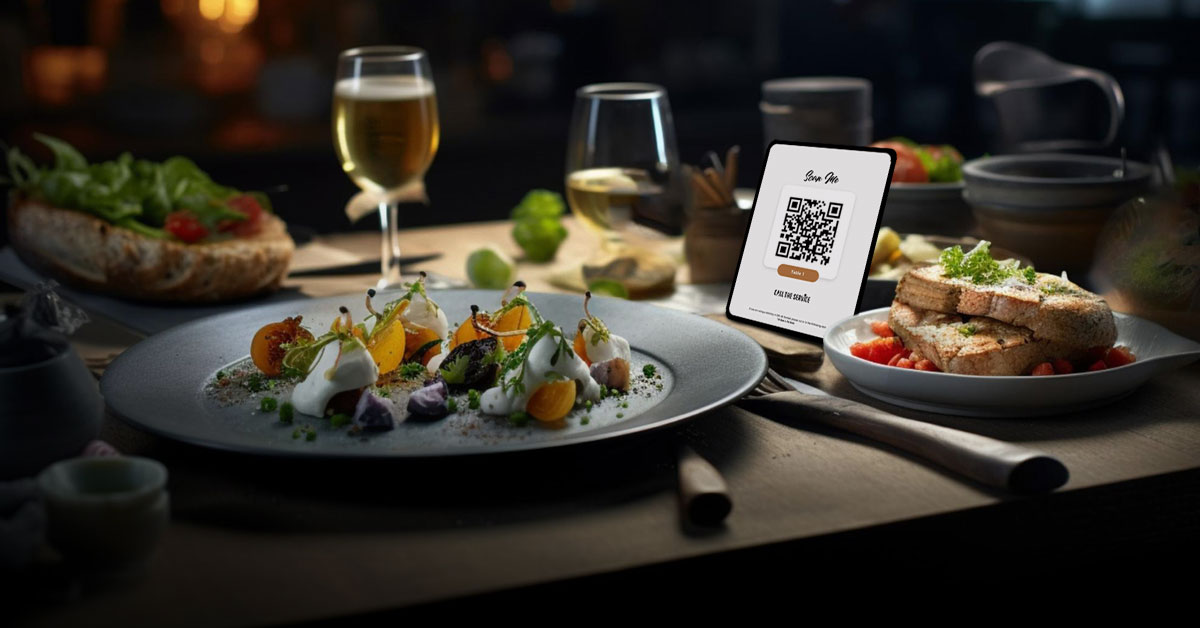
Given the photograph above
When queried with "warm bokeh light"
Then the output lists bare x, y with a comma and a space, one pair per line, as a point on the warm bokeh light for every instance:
230, 16
57, 75
212, 9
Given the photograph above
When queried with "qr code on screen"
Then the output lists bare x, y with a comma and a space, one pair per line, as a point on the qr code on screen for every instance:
809, 229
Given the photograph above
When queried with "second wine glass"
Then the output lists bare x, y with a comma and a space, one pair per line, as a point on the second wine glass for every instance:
622, 161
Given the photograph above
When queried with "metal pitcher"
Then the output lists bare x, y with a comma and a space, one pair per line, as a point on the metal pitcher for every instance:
1045, 104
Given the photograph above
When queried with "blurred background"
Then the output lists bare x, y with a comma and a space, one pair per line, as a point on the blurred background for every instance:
243, 87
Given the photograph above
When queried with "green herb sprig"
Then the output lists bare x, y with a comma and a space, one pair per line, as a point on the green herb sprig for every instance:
979, 267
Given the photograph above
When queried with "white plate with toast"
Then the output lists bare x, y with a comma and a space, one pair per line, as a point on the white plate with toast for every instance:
1157, 349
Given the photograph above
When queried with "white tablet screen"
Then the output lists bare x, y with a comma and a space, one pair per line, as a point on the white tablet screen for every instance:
811, 234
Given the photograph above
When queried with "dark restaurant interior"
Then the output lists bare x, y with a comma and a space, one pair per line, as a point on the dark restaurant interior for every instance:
245, 89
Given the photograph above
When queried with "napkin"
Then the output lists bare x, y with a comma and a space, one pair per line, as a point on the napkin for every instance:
366, 202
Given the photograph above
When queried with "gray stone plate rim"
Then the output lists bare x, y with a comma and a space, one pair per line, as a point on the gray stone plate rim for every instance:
158, 384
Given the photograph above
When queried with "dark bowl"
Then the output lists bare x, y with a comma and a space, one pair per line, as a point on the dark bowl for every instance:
936, 208
1050, 207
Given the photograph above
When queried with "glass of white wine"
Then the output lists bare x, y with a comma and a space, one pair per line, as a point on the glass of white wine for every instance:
623, 167
385, 128
621, 159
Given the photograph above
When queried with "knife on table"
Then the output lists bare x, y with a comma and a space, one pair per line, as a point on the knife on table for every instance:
986, 460
360, 268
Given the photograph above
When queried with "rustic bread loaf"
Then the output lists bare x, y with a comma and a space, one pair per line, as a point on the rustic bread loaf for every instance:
82, 250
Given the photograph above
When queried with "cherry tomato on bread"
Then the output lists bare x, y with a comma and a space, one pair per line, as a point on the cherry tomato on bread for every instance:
185, 226
247, 206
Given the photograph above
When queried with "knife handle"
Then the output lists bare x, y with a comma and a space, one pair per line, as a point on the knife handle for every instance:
986, 460
703, 495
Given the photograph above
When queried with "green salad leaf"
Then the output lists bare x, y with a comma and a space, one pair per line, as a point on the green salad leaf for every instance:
132, 193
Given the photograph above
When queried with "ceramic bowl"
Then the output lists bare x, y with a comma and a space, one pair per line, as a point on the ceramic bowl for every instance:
936, 208
1050, 207
48, 411
105, 511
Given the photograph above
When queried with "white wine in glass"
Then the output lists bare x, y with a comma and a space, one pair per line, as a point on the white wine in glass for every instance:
606, 199
385, 128
622, 167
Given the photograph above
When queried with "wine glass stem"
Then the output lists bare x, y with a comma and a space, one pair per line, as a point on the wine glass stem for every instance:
611, 241
389, 251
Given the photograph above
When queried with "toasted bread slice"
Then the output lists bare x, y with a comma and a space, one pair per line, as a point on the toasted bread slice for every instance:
974, 345
1052, 307
82, 250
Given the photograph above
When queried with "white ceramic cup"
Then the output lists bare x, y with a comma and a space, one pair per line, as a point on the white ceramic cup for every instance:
106, 511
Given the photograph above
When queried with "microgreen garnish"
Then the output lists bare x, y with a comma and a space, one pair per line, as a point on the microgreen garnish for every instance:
268, 404
968, 330
286, 412
255, 383
473, 399
1056, 287
599, 329
412, 370
452, 405
455, 372
648, 370
340, 419
979, 267
518, 418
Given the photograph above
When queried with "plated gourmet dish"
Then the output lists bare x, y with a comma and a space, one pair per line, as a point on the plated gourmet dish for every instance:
405, 363
971, 314
143, 230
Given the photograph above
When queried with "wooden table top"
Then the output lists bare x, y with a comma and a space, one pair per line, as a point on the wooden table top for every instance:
257, 541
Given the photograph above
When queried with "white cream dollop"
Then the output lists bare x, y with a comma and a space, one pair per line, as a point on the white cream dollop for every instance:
421, 311
355, 369
496, 401
605, 350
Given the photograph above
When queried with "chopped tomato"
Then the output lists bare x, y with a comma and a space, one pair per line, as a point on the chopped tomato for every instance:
1095, 353
247, 206
885, 348
904, 363
909, 168
881, 328
1098, 365
184, 225
1062, 367
878, 350
927, 365
1118, 356
895, 359
1045, 368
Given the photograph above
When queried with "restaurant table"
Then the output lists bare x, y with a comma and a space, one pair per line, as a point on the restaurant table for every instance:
261, 541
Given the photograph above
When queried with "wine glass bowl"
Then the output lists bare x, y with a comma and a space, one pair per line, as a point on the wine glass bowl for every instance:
622, 162
386, 131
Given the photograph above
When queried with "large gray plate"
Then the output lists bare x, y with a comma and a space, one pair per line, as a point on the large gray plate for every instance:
158, 384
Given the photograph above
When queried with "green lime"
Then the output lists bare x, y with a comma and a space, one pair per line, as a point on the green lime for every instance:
608, 288
490, 268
